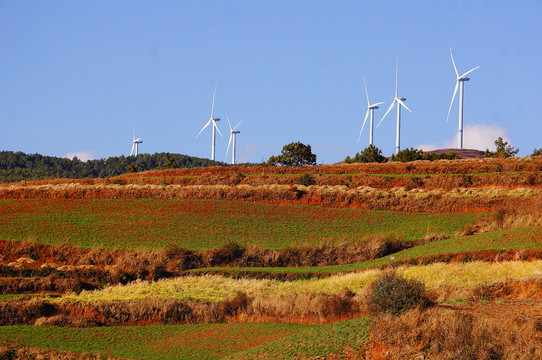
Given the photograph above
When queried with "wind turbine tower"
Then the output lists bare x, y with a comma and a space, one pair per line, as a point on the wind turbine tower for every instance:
212, 120
233, 133
459, 83
370, 109
135, 143
400, 102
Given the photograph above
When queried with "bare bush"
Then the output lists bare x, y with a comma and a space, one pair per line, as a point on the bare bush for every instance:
392, 293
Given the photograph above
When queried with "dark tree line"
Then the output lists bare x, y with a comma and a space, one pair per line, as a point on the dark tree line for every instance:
18, 166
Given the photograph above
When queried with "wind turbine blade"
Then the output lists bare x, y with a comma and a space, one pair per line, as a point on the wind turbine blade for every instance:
132, 152
216, 127
237, 125
228, 149
213, 106
366, 93
203, 128
453, 62
396, 76
402, 103
391, 106
471, 70
453, 97
362, 126
227, 117
380, 103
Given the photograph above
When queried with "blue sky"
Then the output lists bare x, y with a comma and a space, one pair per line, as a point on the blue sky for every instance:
74, 74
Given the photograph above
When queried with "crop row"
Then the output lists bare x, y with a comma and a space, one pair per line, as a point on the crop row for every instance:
395, 199
527, 164
206, 224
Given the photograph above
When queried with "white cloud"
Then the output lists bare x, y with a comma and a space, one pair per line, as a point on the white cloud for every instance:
83, 155
475, 136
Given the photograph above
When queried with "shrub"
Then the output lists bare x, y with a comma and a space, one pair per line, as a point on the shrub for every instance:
131, 168
501, 216
236, 305
228, 253
7, 353
443, 156
504, 150
294, 154
306, 180
392, 293
237, 178
408, 155
368, 155
412, 154
537, 152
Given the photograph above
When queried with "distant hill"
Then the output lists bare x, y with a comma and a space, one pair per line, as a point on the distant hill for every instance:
463, 153
18, 166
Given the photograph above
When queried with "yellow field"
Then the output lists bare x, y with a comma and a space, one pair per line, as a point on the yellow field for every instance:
217, 288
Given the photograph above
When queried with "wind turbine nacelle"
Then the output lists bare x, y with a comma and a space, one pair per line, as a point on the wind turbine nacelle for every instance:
235, 131
402, 99
464, 79
374, 107
216, 119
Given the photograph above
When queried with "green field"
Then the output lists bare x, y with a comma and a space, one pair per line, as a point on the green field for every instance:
511, 239
4, 297
209, 341
150, 224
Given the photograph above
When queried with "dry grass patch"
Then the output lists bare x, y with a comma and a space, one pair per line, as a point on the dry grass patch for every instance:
217, 288
440, 333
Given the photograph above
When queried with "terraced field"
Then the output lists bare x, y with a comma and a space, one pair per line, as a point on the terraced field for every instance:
213, 263
153, 224
529, 238
210, 341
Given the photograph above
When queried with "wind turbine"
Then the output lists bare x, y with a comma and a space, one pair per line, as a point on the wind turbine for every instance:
459, 83
212, 120
135, 142
233, 133
400, 102
371, 109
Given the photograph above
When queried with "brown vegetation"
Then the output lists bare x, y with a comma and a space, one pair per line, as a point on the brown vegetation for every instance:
15, 351
408, 197
500, 321
50, 284
442, 333
394, 294
295, 308
121, 266
443, 186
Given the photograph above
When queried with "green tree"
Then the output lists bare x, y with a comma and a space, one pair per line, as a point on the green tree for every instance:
504, 150
294, 154
412, 154
407, 155
170, 162
368, 155
537, 152
17, 166
452, 155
